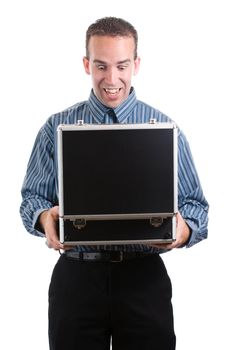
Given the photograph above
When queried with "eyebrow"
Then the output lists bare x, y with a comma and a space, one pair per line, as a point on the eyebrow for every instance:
120, 62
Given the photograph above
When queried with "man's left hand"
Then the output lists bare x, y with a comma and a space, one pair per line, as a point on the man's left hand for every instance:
182, 234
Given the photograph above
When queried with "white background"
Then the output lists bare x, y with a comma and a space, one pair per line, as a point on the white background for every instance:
187, 72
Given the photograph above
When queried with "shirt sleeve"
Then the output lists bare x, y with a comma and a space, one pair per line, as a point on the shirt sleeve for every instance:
192, 204
39, 186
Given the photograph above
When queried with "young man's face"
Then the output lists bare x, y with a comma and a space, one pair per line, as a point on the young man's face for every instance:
111, 65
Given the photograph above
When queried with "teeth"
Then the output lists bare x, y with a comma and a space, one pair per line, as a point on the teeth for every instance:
111, 91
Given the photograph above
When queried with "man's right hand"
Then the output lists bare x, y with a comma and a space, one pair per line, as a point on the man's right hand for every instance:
49, 221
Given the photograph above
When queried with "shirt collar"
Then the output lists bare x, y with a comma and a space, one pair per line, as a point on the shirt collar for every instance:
122, 112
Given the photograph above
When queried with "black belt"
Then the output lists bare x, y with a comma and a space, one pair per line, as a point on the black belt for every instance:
111, 256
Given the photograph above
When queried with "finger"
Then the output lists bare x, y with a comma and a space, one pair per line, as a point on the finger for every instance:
47, 244
55, 244
162, 246
67, 247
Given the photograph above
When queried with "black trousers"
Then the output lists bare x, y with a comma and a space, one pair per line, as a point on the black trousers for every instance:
128, 302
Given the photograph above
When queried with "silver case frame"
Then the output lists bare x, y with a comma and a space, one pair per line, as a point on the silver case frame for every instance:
85, 218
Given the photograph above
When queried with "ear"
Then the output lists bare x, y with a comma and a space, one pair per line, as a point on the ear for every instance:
136, 65
86, 64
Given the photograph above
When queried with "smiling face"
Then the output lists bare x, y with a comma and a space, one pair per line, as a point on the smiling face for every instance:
111, 65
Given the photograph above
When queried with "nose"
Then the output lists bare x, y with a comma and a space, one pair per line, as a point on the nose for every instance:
111, 76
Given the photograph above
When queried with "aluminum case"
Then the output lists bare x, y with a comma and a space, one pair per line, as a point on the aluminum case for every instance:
117, 183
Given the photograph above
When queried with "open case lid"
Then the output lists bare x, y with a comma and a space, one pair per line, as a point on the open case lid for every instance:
117, 171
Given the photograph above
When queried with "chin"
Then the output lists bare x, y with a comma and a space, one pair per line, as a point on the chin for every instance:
111, 104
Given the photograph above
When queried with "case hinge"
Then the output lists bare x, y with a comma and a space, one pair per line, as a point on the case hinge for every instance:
80, 122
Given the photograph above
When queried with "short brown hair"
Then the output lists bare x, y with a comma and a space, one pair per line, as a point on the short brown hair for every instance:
111, 26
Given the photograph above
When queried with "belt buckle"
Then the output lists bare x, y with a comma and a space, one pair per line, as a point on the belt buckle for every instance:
117, 257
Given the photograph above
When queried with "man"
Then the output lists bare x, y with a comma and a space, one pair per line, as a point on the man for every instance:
93, 299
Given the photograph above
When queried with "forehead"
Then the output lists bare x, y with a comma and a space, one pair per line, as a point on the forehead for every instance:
111, 48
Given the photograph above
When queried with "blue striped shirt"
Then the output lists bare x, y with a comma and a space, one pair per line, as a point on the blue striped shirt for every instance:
40, 187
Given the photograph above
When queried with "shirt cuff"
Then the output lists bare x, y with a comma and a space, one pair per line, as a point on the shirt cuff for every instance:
36, 223
193, 233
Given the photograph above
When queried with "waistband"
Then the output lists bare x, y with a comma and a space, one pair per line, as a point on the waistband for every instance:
108, 256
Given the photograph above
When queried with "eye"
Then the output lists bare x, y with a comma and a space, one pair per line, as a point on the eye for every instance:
122, 67
101, 67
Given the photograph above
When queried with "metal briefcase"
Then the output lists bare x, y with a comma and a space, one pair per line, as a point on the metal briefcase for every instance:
117, 183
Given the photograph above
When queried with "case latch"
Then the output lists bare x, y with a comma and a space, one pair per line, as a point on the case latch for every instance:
79, 223
156, 222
